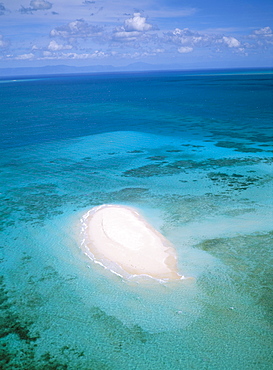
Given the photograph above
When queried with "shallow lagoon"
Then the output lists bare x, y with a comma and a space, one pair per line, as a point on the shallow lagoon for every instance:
206, 187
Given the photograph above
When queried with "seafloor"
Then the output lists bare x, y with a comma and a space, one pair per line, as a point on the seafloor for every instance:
207, 187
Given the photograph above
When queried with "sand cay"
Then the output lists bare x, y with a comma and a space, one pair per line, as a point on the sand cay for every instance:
121, 240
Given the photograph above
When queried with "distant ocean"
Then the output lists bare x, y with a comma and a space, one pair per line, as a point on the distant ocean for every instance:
193, 152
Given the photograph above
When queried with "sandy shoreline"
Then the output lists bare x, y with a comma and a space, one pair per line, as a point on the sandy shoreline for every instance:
121, 240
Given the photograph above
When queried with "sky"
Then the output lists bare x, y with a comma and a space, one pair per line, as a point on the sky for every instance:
191, 34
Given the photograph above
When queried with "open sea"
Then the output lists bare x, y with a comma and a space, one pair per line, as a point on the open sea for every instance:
193, 152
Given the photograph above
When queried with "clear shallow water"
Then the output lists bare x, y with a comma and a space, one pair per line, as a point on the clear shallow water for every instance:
194, 155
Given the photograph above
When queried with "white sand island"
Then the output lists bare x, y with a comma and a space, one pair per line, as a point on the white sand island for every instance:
119, 239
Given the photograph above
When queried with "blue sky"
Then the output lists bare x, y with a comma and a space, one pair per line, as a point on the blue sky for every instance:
192, 34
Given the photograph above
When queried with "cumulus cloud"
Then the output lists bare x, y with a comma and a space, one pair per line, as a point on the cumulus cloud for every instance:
231, 42
120, 35
189, 40
77, 29
185, 49
47, 54
54, 46
132, 28
187, 37
137, 23
263, 36
36, 5
266, 31
40, 5
95, 55
25, 56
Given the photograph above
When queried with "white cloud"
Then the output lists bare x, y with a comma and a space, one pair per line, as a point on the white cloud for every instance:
40, 5
137, 54
185, 49
137, 23
77, 29
125, 36
266, 31
76, 56
25, 56
97, 54
231, 42
261, 38
159, 50
54, 46
47, 54
192, 39
36, 5
188, 38
132, 28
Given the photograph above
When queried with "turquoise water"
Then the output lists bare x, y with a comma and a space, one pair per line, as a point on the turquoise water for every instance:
193, 153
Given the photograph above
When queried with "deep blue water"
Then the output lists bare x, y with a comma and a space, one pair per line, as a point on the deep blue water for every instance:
57, 108
193, 153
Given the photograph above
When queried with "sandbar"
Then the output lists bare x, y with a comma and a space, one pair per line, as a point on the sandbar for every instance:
120, 239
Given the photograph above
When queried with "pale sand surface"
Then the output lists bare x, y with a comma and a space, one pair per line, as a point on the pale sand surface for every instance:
121, 240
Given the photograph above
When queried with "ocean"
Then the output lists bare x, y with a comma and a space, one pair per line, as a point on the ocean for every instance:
192, 152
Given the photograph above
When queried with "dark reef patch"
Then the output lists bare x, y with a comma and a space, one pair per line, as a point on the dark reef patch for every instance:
175, 167
119, 333
242, 253
21, 345
125, 195
12, 326
130, 194
235, 180
239, 147
135, 151
34, 203
157, 158
174, 151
